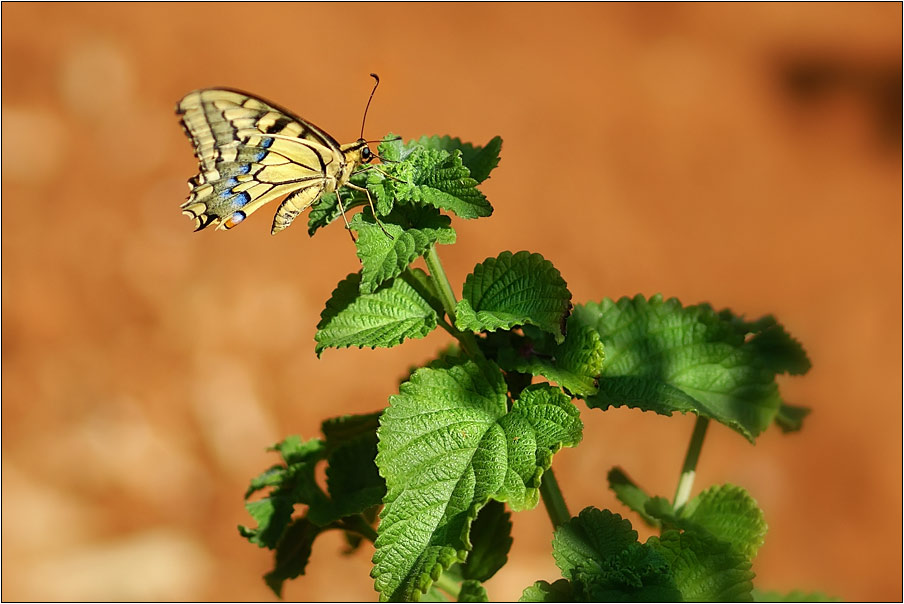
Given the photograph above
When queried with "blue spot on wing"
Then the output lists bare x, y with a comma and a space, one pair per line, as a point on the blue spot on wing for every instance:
241, 199
245, 169
264, 144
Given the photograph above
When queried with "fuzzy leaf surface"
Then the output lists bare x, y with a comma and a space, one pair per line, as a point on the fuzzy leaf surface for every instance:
448, 444
472, 591
703, 568
384, 318
292, 554
543, 591
290, 483
663, 357
491, 540
479, 161
514, 289
730, 514
775, 347
413, 230
575, 364
599, 553
433, 177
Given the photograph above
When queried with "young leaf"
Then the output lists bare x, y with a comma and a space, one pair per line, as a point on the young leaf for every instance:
599, 553
292, 483
479, 161
447, 445
491, 539
631, 495
575, 364
472, 591
703, 568
663, 357
414, 229
790, 418
394, 312
292, 554
730, 514
437, 178
793, 596
590, 539
542, 591
542, 420
514, 289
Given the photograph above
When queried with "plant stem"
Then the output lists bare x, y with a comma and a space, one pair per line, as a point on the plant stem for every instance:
357, 524
553, 500
447, 297
448, 585
689, 469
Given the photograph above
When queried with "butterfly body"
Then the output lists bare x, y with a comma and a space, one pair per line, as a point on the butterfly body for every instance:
251, 152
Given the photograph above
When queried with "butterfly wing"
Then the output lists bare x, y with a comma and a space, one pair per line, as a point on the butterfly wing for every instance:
251, 152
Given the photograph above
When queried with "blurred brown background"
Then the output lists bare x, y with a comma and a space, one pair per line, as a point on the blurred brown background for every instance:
745, 155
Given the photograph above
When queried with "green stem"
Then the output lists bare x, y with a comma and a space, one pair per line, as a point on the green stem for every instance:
447, 297
359, 526
553, 500
448, 585
689, 469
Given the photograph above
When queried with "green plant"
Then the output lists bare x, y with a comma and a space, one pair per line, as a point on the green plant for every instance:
475, 430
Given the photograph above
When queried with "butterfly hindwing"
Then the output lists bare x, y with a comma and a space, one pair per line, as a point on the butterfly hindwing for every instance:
251, 152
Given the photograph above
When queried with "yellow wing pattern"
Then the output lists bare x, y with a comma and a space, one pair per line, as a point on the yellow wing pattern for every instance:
251, 152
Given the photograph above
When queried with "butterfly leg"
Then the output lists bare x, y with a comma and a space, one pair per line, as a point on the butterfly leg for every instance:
372, 208
342, 209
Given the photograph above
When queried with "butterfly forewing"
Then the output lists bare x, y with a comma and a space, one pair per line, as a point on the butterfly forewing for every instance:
251, 152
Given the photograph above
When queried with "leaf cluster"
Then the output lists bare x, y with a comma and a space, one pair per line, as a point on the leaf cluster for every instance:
470, 437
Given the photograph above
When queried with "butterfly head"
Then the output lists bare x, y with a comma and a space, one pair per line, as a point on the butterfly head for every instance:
358, 153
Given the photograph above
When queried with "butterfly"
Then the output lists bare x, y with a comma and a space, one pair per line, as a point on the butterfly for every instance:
251, 152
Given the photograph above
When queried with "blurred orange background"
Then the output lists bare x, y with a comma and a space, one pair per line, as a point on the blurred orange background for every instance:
746, 155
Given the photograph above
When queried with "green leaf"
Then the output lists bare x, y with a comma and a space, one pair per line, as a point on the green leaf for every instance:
703, 568
348, 428
790, 418
599, 553
448, 443
663, 357
437, 178
472, 591
353, 482
730, 514
292, 554
574, 365
542, 591
384, 318
661, 509
589, 540
491, 540
514, 289
290, 484
326, 209
774, 346
414, 229
630, 494
480, 161
793, 596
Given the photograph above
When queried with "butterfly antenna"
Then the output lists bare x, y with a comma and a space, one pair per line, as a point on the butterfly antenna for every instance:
364, 119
